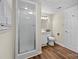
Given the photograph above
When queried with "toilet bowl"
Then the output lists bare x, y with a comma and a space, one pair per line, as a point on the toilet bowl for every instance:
51, 40
47, 39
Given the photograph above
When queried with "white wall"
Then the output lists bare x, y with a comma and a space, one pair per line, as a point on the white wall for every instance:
70, 40
58, 25
7, 41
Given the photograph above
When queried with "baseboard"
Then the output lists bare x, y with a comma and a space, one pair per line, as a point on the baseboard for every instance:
44, 45
37, 53
60, 44
65, 47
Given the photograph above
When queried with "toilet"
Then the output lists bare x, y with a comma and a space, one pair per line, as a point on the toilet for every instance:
47, 39
51, 41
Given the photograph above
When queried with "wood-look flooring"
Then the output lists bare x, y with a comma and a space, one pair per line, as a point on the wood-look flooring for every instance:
56, 52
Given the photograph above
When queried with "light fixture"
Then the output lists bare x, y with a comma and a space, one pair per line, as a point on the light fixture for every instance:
30, 12
44, 17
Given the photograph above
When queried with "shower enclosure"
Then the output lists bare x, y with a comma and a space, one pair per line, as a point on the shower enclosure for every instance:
27, 28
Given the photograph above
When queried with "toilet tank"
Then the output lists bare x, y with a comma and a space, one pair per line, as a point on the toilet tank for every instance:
48, 34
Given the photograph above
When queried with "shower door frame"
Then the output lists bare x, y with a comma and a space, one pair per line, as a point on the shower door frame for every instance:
38, 34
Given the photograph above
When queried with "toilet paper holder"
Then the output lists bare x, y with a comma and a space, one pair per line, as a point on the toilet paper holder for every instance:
58, 34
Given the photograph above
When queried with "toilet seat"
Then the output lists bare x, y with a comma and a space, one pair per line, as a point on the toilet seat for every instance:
51, 41
51, 38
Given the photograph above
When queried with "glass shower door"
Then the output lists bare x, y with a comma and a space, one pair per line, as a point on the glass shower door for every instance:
27, 27
27, 32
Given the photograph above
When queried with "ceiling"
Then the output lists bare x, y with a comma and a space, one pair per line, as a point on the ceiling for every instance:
51, 6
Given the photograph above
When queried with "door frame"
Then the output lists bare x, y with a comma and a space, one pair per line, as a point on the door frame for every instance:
38, 34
